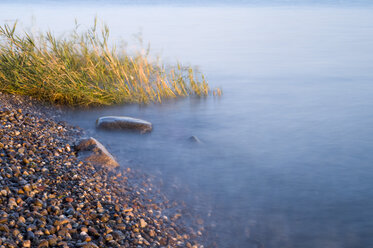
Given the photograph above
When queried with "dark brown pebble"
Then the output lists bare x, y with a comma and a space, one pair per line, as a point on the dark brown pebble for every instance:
4, 228
43, 243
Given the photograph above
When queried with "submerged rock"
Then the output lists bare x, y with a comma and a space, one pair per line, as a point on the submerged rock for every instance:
194, 139
123, 123
93, 151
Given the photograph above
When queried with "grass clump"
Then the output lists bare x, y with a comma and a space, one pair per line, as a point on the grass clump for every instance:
83, 69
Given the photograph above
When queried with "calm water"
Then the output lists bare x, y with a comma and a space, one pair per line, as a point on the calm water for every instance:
286, 159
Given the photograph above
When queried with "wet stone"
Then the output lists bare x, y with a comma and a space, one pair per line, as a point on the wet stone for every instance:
108, 237
27, 188
4, 228
38, 203
152, 233
143, 223
3, 220
30, 235
26, 243
52, 240
194, 139
121, 227
43, 244
91, 150
50, 201
87, 238
92, 231
123, 123
63, 244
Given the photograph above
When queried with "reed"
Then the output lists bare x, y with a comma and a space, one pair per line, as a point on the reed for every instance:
83, 70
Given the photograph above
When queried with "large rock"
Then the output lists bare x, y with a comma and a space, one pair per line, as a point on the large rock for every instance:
123, 122
93, 151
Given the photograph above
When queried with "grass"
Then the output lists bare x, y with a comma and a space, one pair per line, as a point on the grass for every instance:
83, 70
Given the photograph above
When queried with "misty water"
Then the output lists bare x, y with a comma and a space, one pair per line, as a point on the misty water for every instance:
286, 157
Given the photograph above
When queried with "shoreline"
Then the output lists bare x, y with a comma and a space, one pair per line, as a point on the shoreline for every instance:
50, 198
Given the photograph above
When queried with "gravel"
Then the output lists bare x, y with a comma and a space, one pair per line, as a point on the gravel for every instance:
49, 198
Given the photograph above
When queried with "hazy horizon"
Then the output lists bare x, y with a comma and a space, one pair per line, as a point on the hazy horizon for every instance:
207, 2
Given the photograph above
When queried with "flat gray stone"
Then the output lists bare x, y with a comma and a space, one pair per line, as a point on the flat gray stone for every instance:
91, 150
123, 123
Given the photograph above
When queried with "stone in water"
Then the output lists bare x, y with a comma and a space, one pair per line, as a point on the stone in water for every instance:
123, 123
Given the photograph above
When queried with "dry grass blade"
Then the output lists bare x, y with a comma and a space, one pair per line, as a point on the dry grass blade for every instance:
82, 70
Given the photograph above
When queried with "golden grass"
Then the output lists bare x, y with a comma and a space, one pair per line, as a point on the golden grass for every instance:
81, 70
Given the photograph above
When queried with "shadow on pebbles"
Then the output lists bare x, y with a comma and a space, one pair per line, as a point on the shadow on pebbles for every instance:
50, 198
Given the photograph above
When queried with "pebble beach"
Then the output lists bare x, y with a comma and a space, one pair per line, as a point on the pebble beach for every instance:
51, 198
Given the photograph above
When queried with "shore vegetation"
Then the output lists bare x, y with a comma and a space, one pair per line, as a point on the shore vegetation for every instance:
83, 69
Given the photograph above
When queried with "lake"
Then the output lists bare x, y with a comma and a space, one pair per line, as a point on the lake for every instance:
285, 158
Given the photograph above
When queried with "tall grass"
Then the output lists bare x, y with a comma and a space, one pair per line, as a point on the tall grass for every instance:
82, 69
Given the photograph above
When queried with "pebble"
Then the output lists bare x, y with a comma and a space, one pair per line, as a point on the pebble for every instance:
143, 223
26, 243
27, 188
43, 244
109, 237
4, 228
50, 198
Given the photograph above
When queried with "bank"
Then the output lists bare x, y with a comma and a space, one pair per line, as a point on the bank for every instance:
51, 198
